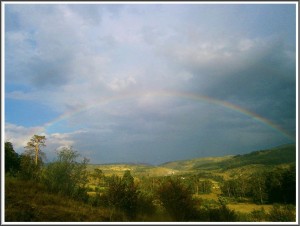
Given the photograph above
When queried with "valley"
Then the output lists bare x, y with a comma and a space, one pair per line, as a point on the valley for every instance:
256, 187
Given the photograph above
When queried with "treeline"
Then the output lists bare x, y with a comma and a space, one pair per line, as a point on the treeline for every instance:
148, 199
65, 175
170, 200
265, 187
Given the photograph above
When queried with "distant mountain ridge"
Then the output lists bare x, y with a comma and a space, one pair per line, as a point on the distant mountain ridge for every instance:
278, 155
267, 158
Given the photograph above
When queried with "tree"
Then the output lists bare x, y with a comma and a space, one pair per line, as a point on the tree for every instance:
128, 179
177, 200
282, 213
205, 186
12, 159
122, 195
229, 188
289, 185
66, 175
222, 214
281, 185
98, 177
28, 168
34, 146
258, 187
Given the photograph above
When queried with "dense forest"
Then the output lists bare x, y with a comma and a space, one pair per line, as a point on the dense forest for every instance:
69, 189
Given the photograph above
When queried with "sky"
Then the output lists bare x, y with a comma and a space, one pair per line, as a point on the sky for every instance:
150, 83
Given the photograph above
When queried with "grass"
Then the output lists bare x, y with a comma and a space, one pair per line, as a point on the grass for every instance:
135, 170
26, 201
223, 166
248, 207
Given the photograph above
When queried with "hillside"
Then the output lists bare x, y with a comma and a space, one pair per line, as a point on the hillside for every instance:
268, 158
135, 169
30, 201
191, 164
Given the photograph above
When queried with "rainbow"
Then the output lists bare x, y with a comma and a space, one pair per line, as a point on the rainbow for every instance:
172, 94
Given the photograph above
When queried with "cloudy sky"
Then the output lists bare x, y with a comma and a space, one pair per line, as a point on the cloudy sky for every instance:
150, 83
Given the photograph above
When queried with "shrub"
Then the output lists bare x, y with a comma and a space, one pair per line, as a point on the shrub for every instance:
177, 200
121, 196
145, 204
12, 159
28, 169
258, 215
284, 213
66, 176
222, 214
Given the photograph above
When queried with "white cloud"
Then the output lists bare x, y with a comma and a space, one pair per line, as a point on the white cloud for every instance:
73, 57
118, 84
20, 135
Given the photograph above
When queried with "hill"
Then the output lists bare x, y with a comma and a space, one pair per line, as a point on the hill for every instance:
268, 158
279, 155
138, 170
274, 156
30, 201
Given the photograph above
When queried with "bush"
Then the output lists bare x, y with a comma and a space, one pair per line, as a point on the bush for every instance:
284, 213
12, 159
177, 200
66, 176
222, 214
258, 215
121, 196
28, 169
145, 205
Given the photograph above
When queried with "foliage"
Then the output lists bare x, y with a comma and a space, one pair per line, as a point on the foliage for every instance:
98, 176
258, 187
230, 188
122, 195
33, 148
147, 197
274, 186
281, 185
222, 214
30, 201
279, 155
31, 161
145, 204
66, 175
258, 215
28, 169
197, 184
205, 186
174, 196
12, 159
284, 213
289, 185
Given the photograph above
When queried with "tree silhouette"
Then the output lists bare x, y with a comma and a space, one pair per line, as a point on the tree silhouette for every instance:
12, 159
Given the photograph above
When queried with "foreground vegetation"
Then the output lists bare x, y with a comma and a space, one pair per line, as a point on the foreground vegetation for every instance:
243, 188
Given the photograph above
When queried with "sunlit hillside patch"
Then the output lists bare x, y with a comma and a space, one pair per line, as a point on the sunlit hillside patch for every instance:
248, 207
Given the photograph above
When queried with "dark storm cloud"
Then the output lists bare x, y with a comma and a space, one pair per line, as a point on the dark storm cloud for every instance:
97, 65
265, 86
53, 72
255, 74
